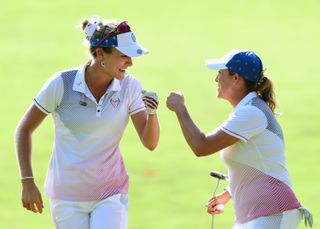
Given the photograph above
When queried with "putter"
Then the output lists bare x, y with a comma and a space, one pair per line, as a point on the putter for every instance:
219, 176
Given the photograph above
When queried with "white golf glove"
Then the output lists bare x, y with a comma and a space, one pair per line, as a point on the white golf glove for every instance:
308, 218
151, 101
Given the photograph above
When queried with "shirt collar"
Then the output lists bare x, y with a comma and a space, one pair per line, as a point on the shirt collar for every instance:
114, 86
80, 85
246, 99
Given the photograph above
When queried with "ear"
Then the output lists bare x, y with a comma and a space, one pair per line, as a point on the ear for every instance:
99, 52
237, 79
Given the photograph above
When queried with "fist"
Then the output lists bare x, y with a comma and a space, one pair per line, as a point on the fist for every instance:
174, 100
151, 101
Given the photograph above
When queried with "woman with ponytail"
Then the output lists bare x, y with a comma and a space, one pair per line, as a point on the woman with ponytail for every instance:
251, 143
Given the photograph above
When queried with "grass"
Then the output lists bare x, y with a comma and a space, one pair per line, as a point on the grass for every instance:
168, 187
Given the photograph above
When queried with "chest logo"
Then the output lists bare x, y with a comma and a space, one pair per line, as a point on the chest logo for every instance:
115, 102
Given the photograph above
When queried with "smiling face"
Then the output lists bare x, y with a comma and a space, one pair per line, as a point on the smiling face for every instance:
116, 64
225, 84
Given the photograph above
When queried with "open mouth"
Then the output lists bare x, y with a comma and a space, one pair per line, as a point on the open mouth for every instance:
122, 70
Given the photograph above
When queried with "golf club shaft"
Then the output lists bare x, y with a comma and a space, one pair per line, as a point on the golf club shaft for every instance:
214, 193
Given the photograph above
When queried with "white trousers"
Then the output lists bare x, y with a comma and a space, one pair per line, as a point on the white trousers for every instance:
109, 213
285, 220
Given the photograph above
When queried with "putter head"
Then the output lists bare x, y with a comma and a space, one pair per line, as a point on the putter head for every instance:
218, 175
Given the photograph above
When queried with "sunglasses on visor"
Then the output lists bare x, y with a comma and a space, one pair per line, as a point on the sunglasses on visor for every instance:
123, 27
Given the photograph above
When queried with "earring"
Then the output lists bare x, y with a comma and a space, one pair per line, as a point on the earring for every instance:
103, 64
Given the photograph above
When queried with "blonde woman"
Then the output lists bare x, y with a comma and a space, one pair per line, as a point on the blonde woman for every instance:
87, 181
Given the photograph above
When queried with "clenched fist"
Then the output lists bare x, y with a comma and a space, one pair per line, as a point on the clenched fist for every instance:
174, 100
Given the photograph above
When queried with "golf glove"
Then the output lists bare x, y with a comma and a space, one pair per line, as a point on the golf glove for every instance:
308, 218
151, 101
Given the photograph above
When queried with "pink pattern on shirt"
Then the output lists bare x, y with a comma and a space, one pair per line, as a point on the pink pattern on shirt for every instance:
257, 194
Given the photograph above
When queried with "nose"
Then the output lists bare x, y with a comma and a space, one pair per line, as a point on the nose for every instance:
216, 79
129, 61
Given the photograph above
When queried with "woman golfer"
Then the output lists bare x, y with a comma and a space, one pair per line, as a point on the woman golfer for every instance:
252, 146
87, 181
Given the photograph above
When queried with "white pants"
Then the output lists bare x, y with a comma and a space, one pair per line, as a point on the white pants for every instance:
284, 220
109, 213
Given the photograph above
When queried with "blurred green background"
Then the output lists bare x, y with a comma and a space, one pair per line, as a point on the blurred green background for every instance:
170, 186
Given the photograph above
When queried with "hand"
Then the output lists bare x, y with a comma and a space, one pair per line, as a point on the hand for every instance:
151, 101
174, 100
31, 197
214, 204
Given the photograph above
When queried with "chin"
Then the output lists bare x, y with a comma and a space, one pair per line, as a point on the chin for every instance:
219, 95
120, 77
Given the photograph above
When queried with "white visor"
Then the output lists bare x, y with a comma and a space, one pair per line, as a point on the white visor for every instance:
128, 45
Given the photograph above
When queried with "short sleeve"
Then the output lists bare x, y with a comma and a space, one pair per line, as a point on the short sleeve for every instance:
135, 100
245, 123
50, 95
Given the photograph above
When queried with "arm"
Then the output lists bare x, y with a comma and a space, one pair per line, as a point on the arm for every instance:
148, 129
31, 197
200, 143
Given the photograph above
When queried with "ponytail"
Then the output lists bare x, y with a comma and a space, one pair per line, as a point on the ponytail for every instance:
265, 90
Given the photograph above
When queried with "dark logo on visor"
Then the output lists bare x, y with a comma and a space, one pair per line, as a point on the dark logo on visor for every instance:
133, 37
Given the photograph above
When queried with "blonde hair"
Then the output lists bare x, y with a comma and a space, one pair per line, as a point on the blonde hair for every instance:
264, 89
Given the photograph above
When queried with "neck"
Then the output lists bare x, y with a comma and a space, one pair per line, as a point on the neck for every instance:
237, 97
96, 80
95, 76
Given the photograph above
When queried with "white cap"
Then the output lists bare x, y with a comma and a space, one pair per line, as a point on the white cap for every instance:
128, 45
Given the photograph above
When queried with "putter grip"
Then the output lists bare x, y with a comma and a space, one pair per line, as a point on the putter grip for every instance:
218, 175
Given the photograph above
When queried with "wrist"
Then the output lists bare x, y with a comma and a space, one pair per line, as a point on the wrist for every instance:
27, 182
180, 108
151, 111
227, 191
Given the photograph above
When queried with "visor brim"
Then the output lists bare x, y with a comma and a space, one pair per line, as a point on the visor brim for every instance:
133, 50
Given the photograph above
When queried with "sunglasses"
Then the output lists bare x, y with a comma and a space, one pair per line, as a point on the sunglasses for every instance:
123, 27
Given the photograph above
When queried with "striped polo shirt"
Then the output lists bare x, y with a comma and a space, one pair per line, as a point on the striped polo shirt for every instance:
259, 181
86, 163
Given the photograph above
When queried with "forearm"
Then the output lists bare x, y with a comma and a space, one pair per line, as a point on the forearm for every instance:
26, 127
151, 133
193, 135
23, 150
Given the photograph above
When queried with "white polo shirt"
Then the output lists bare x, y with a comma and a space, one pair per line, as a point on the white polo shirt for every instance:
86, 163
259, 181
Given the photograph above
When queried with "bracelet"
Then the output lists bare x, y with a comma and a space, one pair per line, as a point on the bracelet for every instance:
25, 178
